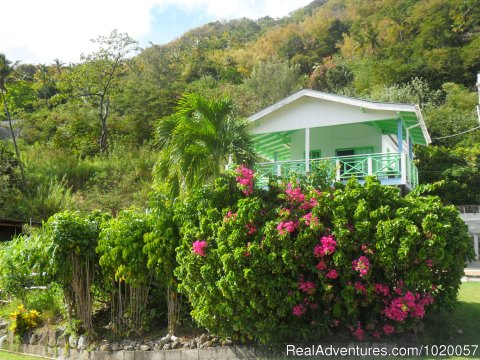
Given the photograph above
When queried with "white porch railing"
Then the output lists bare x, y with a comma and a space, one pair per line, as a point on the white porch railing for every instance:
390, 168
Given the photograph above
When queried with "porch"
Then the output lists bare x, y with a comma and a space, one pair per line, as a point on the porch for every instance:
389, 168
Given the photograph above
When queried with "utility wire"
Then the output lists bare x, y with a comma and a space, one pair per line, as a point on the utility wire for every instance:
460, 133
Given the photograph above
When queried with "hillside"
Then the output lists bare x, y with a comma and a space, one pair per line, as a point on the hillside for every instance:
416, 51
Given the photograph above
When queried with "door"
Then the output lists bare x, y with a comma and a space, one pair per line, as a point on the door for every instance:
346, 166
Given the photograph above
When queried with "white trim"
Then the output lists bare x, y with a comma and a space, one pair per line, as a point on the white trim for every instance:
422, 124
336, 98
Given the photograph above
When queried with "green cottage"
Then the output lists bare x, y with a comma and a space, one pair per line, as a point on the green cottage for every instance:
354, 137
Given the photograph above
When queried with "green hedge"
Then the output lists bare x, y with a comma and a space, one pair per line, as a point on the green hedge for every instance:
296, 261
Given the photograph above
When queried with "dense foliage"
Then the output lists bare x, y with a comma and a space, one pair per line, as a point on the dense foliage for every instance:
85, 137
120, 247
422, 52
298, 261
70, 243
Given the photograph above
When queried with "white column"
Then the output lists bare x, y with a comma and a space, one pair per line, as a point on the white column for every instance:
337, 167
307, 150
403, 167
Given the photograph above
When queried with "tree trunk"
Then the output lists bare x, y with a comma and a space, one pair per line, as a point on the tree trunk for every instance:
104, 107
9, 118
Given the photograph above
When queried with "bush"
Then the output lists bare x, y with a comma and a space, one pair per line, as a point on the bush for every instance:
49, 302
70, 242
123, 259
20, 265
23, 320
295, 261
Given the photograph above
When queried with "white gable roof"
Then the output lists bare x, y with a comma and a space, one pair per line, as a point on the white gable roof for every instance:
311, 108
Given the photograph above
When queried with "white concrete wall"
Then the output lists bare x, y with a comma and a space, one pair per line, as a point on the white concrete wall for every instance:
329, 138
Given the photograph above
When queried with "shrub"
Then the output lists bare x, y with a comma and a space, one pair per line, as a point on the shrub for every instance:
295, 261
20, 265
70, 243
48, 301
23, 320
122, 258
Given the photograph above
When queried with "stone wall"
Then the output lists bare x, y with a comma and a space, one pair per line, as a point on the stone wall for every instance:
222, 352
55, 344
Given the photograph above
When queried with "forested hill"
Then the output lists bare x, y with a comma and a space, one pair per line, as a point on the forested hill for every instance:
415, 51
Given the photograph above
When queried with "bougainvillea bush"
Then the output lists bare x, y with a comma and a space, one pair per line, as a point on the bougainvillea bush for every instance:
294, 261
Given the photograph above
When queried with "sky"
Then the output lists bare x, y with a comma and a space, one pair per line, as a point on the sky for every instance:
39, 31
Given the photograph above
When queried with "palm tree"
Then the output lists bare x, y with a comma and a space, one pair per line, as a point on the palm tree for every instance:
6, 69
198, 139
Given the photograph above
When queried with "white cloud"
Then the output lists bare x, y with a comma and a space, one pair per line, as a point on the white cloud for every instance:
40, 31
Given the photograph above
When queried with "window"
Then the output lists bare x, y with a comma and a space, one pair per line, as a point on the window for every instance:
314, 154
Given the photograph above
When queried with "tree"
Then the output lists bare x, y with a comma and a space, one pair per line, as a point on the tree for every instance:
198, 139
271, 81
98, 76
70, 240
6, 69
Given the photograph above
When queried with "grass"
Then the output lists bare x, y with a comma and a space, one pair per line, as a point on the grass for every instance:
460, 327
11, 356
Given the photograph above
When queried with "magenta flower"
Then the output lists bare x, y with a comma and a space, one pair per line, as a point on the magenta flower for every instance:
251, 228
361, 265
294, 194
381, 289
332, 274
359, 332
321, 265
307, 287
288, 226
198, 247
310, 220
360, 287
230, 216
244, 179
388, 329
299, 310
327, 246
307, 205
397, 310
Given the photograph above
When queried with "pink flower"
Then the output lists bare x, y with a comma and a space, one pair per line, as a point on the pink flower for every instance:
307, 287
376, 334
299, 310
382, 289
251, 228
288, 226
359, 332
327, 246
361, 265
244, 179
388, 329
332, 274
230, 216
294, 194
429, 262
198, 247
360, 287
321, 265
307, 205
309, 220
